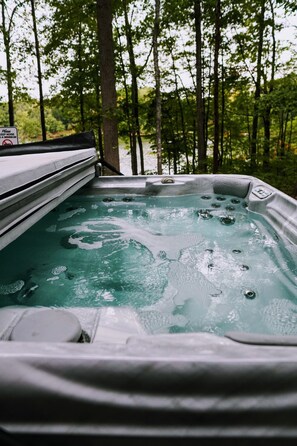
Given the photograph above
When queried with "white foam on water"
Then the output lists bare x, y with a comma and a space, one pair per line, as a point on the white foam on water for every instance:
157, 322
281, 317
217, 265
78, 241
33, 288
123, 230
11, 288
93, 226
190, 284
171, 244
166, 303
107, 296
70, 214
59, 270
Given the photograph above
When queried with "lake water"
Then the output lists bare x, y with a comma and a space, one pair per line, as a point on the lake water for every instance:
150, 159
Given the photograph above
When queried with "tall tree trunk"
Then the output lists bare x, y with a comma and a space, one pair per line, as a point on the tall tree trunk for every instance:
167, 145
266, 145
127, 101
257, 94
280, 120
175, 145
98, 115
290, 131
134, 86
81, 80
134, 93
283, 146
223, 117
39, 72
181, 114
230, 148
284, 117
99, 128
188, 145
216, 87
7, 48
207, 102
200, 112
194, 148
267, 112
157, 87
108, 83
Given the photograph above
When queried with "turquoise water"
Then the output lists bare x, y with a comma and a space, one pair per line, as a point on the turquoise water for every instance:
187, 263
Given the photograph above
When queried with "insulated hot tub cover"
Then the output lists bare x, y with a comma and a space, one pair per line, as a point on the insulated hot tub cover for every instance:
35, 178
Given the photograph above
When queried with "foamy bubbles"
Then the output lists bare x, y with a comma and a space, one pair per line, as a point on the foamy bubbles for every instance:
87, 244
281, 317
12, 288
71, 213
156, 322
59, 270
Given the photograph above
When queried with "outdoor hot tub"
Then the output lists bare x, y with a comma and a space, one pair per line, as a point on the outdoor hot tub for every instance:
148, 308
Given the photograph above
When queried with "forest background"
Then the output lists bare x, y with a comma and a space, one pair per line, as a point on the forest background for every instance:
210, 86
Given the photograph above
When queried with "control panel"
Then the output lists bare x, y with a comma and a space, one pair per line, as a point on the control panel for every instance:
261, 192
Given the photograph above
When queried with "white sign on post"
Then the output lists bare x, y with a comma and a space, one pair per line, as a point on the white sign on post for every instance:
8, 136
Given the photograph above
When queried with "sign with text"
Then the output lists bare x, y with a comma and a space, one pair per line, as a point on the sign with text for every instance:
8, 136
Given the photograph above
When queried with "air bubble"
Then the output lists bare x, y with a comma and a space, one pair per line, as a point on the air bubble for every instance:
127, 199
230, 208
235, 201
108, 199
210, 251
206, 197
215, 205
236, 251
221, 198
